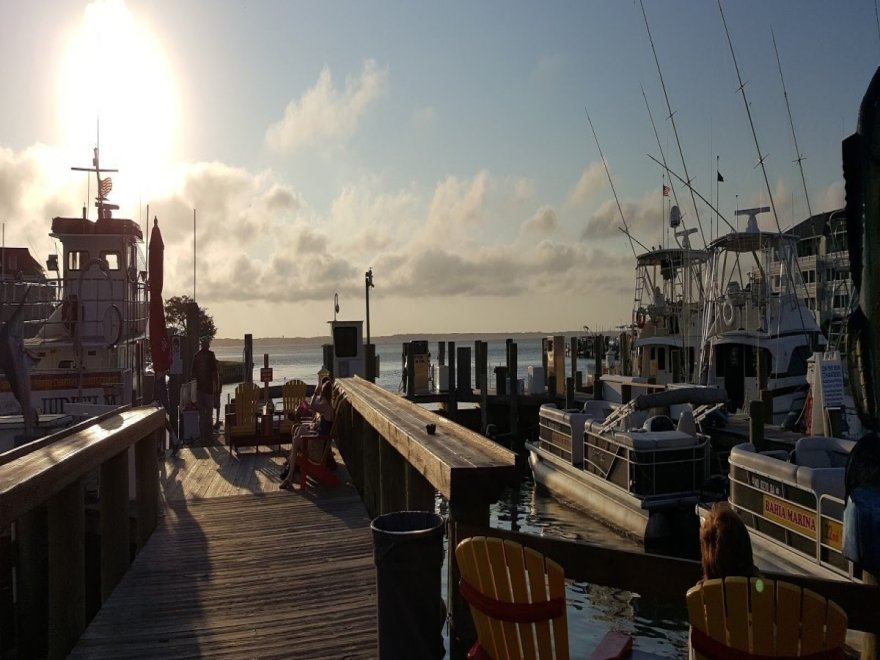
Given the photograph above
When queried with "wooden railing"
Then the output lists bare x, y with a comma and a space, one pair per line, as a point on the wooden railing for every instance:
43, 507
397, 465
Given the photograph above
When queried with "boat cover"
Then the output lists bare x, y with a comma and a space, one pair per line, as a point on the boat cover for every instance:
698, 396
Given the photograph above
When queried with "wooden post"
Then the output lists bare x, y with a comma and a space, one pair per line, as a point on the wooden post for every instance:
484, 403
598, 351
569, 393
462, 634
869, 640
410, 370
756, 425
67, 566
146, 467
767, 400
464, 371
419, 491
551, 391
441, 353
192, 337
114, 522
248, 365
31, 533
372, 474
266, 389
392, 478
573, 351
327, 351
452, 401
514, 393
370, 364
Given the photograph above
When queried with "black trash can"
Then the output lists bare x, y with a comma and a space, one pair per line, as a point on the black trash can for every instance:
408, 552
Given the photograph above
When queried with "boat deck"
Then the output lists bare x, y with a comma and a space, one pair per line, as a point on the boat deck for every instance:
239, 568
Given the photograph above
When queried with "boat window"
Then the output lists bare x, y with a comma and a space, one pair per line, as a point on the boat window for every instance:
798, 364
112, 259
661, 358
77, 259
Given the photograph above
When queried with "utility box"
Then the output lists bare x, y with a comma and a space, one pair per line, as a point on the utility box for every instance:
556, 364
422, 367
190, 425
443, 378
348, 348
536, 381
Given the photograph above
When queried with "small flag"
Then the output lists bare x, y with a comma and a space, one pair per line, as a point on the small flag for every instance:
666, 191
106, 186
720, 178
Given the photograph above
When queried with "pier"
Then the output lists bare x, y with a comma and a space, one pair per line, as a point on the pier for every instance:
226, 564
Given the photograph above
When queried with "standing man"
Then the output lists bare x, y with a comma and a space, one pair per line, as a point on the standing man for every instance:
204, 368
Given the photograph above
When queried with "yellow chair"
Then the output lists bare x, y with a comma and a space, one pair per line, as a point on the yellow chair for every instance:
516, 597
763, 618
293, 392
247, 395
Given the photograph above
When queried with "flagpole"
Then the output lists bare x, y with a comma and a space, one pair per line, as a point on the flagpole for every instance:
194, 255
717, 181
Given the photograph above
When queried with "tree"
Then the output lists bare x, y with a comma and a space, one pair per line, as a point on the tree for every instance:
175, 317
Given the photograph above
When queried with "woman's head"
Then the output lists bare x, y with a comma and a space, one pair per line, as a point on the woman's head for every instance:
725, 547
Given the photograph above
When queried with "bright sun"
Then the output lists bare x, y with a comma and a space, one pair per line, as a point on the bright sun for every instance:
116, 79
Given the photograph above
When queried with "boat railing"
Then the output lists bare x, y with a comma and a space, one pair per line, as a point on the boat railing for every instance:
651, 471
827, 532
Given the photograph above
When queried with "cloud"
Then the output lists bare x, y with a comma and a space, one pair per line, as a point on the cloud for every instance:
457, 204
591, 181
326, 113
424, 118
548, 68
543, 222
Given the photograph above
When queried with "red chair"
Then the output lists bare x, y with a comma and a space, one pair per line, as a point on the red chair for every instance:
315, 460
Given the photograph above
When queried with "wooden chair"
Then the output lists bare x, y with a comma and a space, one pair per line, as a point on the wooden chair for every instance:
517, 599
293, 393
740, 617
315, 459
246, 397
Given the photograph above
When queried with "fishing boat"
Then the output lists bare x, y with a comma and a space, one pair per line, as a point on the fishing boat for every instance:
20, 273
668, 310
793, 502
627, 462
90, 349
758, 334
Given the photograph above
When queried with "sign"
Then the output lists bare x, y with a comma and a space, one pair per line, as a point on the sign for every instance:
791, 516
265, 374
832, 383
832, 533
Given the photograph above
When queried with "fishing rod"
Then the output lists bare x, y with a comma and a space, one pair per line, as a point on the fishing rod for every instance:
611, 183
672, 121
800, 159
660, 147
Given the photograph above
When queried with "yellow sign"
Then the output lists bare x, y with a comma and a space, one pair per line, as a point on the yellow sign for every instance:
795, 518
832, 534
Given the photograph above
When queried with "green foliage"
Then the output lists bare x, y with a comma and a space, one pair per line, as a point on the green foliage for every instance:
175, 317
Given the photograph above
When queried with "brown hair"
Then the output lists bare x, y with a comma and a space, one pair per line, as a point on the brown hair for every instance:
725, 548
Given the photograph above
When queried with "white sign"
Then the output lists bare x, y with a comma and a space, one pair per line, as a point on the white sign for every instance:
832, 383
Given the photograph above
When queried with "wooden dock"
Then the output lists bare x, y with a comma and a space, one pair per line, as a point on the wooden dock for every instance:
239, 568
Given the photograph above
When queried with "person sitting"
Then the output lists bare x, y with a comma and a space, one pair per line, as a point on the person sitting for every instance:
321, 403
725, 546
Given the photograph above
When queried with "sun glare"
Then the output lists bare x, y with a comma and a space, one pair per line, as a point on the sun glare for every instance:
116, 80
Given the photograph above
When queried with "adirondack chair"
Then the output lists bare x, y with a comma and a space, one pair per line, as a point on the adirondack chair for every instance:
293, 393
314, 461
517, 599
246, 397
740, 617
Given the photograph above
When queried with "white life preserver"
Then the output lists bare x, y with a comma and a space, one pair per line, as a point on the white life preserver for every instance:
640, 318
727, 313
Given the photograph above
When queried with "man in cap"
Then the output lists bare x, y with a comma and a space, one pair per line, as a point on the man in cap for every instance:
204, 369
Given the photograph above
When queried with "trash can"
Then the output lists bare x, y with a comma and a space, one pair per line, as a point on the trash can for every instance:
500, 381
408, 552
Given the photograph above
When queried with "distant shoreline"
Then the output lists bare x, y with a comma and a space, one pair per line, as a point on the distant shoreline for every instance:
400, 338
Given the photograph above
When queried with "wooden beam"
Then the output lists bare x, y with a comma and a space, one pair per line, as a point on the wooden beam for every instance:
115, 537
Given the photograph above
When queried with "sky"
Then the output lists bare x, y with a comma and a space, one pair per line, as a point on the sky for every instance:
446, 146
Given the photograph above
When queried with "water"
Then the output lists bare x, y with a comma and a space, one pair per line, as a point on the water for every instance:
660, 626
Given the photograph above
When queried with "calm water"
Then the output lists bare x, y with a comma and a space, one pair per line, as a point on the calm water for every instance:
661, 627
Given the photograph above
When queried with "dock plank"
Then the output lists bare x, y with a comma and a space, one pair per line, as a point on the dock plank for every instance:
238, 568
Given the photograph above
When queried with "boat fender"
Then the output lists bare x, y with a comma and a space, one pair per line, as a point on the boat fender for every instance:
727, 313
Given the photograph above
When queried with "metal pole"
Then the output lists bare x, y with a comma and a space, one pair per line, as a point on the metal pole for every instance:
368, 284
194, 254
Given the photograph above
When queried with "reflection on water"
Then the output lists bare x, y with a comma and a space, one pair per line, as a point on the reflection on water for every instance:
659, 626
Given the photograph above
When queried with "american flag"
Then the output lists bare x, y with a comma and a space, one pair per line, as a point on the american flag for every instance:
666, 191
106, 186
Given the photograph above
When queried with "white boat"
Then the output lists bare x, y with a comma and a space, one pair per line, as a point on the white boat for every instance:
793, 504
91, 349
757, 331
20, 273
628, 463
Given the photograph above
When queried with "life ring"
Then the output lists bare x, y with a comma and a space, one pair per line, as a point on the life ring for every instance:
727, 313
640, 318
70, 313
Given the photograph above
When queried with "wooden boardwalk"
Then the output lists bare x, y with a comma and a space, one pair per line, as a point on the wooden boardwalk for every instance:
238, 568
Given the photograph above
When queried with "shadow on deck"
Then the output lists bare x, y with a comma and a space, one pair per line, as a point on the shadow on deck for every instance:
239, 568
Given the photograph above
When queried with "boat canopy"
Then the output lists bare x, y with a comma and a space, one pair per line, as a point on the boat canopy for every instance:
750, 241
696, 395
672, 257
